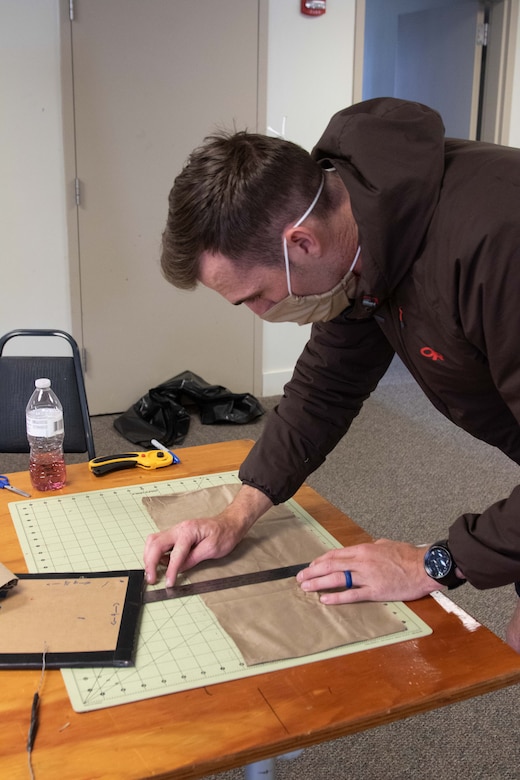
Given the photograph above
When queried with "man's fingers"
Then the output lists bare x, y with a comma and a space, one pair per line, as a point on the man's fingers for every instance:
345, 596
173, 568
334, 565
325, 581
157, 550
337, 559
185, 544
189, 543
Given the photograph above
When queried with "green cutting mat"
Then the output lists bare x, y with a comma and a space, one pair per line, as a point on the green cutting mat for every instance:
181, 644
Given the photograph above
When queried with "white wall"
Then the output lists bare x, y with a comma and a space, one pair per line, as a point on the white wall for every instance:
34, 284
309, 78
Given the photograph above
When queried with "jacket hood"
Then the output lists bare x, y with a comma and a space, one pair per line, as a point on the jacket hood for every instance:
390, 156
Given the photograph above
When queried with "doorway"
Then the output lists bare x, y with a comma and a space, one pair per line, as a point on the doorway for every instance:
450, 54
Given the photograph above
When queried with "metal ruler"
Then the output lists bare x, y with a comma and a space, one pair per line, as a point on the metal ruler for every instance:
222, 583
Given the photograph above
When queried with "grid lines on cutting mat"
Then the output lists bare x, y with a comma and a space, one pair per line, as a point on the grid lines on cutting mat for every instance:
180, 645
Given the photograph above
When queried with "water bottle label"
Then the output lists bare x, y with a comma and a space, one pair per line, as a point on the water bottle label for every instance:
45, 423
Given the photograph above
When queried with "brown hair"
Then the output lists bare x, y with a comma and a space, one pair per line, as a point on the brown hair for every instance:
234, 196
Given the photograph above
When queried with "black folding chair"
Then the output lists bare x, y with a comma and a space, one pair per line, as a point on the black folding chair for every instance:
17, 375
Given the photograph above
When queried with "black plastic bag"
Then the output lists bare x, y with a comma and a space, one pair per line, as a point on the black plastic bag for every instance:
160, 414
216, 404
156, 415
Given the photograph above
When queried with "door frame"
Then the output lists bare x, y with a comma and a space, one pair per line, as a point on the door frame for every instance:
69, 158
500, 66
498, 86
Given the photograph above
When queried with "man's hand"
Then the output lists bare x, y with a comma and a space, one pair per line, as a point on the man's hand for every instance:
192, 541
381, 571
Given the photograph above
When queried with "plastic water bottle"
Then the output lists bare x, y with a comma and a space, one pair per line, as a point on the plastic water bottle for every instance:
45, 433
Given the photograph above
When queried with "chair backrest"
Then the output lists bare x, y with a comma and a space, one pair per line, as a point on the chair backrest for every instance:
17, 375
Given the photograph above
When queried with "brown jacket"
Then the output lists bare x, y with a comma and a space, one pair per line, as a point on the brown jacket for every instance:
439, 225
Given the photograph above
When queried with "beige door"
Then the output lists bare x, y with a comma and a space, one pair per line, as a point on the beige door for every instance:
151, 78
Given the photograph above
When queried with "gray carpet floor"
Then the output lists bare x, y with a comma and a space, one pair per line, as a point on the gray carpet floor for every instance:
402, 472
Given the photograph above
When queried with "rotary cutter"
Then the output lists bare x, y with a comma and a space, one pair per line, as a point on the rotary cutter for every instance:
149, 460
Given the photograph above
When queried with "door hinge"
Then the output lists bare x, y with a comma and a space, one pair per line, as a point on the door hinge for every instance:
83, 354
77, 192
482, 34
71, 10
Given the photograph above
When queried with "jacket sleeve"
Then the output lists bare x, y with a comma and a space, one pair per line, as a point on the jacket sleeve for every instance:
486, 546
338, 369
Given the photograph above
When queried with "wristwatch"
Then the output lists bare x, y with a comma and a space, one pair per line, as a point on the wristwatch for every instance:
440, 566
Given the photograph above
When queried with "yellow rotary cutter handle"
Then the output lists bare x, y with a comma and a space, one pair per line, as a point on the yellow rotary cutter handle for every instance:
150, 459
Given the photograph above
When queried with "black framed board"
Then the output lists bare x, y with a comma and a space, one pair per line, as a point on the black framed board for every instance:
74, 619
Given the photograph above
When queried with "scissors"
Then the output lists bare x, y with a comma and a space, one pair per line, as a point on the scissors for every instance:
4, 483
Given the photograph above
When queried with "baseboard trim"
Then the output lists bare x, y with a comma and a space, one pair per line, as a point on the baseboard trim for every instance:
273, 382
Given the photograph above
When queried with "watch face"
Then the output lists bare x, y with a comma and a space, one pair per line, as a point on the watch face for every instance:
437, 562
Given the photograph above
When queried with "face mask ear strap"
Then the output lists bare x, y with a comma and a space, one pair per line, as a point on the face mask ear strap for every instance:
355, 259
316, 199
297, 224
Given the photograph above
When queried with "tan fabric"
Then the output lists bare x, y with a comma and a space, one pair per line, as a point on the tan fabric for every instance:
273, 620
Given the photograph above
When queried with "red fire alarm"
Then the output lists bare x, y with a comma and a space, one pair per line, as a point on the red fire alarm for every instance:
313, 7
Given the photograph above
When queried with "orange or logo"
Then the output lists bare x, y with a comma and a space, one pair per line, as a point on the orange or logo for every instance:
430, 353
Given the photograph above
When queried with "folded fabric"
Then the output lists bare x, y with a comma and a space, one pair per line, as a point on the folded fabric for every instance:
272, 620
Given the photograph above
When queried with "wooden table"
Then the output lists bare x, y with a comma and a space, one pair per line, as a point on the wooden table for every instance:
206, 730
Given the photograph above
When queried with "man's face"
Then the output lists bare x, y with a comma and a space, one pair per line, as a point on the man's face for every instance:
258, 287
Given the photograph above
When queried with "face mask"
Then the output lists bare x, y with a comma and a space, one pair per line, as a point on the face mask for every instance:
320, 307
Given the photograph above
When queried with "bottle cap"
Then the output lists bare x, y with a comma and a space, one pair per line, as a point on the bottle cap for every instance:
42, 384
